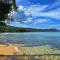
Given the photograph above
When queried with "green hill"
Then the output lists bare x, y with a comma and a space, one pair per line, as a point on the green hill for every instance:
5, 28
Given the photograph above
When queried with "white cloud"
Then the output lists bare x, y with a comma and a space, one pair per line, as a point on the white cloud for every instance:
20, 8
37, 11
35, 8
29, 20
17, 24
21, 14
48, 14
41, 21
52, 14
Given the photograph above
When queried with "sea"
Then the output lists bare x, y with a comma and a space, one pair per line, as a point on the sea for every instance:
32, 38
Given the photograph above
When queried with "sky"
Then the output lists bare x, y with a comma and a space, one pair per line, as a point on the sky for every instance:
37, 14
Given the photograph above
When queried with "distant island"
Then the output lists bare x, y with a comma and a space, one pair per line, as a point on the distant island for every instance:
6, 28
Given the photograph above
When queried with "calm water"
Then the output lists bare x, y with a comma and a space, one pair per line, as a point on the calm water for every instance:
32, 38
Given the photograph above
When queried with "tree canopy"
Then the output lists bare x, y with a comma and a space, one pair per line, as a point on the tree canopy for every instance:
5, 8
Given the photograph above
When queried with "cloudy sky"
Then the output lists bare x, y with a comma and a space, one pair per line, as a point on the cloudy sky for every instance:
37, 14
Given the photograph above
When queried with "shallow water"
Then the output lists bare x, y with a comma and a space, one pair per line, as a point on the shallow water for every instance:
32, 38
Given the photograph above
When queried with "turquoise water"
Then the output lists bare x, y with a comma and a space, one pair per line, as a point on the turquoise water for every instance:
32, 38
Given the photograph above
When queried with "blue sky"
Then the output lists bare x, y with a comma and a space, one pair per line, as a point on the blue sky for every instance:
39, 14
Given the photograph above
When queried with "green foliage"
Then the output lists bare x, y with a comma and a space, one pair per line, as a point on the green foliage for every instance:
4, 9
5, 28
